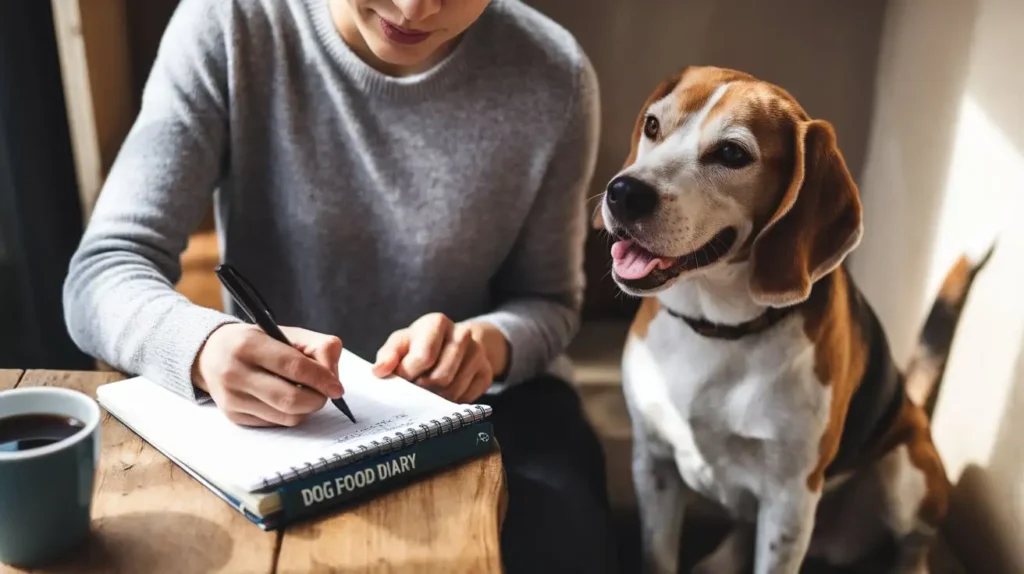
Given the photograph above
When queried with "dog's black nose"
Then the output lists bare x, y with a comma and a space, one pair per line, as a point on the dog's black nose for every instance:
630, 199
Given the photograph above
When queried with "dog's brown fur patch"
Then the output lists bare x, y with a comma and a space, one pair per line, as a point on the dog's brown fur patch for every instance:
644, 315
840, 358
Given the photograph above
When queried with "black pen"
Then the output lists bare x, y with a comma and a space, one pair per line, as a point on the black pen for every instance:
246, 296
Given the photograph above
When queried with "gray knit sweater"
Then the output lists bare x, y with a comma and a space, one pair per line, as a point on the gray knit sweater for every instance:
354, 201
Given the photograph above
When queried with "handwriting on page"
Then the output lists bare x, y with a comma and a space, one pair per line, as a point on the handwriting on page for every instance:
380, 412
392, 423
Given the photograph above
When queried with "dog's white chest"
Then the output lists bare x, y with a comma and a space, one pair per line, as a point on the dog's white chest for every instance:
734, 415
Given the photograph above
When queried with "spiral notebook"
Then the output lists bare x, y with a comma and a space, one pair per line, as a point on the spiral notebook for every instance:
401, 431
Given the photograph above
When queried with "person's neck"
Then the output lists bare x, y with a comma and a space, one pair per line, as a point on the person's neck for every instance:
345, 24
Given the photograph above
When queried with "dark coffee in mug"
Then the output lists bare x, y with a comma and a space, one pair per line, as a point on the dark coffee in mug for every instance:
25, 432
49, 444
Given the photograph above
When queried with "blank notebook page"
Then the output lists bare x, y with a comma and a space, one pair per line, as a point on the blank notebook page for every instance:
202, 437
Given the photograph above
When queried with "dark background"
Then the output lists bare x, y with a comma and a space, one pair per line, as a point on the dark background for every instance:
40, 217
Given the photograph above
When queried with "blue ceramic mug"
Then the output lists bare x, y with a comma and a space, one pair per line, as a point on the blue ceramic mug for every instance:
49, 449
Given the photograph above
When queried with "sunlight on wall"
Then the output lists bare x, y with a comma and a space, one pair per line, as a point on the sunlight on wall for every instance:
977, 195
946, 175
984, 197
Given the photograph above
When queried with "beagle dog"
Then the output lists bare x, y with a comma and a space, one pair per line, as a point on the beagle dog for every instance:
755, 373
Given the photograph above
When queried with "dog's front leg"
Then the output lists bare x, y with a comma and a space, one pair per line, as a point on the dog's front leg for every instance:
785, 521
661, 502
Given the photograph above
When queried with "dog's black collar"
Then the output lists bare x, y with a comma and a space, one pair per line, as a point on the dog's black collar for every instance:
763, 322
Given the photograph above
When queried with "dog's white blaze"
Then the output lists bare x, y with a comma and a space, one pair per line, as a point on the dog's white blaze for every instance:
681, 147
695, 210
690, 133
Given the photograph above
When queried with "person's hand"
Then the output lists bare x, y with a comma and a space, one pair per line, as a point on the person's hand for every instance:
455, 360
248, 373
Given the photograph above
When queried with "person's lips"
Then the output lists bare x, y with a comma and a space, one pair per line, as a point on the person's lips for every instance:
401, 35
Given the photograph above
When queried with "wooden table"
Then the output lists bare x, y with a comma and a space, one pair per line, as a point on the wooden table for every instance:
150, 516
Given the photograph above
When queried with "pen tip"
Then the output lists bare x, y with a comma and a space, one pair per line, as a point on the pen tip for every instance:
340, 403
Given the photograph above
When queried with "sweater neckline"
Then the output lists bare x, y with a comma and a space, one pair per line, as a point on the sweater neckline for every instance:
374, 81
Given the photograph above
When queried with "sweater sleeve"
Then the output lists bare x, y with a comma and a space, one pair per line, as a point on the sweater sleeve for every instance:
541, 284
119, 299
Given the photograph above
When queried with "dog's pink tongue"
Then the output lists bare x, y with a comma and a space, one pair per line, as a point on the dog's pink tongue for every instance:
630, 261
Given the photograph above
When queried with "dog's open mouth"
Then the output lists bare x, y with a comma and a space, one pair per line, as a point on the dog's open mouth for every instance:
637, 267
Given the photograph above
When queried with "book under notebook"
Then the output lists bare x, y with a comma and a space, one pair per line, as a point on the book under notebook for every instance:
252, 465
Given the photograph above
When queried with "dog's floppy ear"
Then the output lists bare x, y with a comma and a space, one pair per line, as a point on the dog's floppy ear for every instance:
816, 224
660, 91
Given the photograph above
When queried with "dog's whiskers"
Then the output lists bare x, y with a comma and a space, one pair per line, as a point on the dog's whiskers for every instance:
693, 250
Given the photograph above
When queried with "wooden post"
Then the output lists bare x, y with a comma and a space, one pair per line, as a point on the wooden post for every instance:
92, 39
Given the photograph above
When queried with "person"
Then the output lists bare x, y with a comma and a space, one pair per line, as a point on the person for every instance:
406, 176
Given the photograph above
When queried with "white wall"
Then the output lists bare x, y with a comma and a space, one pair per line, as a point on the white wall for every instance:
945, 174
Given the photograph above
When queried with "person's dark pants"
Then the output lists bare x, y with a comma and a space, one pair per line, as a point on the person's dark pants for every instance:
558, 517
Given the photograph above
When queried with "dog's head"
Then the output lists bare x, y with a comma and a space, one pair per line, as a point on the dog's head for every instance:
724, 169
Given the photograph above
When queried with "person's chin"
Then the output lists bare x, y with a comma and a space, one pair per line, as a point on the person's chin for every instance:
405, 56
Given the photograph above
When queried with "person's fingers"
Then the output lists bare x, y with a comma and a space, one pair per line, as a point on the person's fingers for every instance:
325, 349
249, 406
391, 353
245, 420
263, 411
284, 396
290, 364
471, 363
426, 338
453, 356
482, 380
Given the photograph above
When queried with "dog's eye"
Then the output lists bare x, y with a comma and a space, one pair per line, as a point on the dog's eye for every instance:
730, 155
651, 127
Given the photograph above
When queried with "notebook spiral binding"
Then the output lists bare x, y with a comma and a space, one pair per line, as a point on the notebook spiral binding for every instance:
400, 439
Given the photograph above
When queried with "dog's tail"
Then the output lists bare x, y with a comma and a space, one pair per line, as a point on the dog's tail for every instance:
928, 363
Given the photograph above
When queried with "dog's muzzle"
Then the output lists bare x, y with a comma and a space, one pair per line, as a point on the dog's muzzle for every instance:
630, 199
